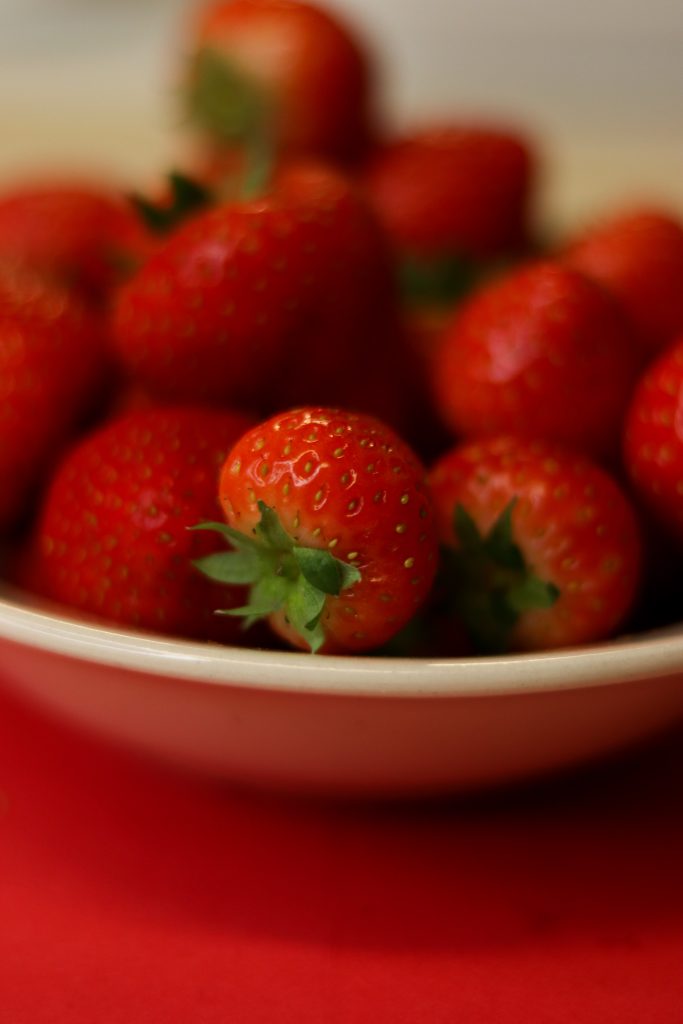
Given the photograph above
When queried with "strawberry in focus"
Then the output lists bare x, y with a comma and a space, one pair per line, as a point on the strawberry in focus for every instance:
331, 526
453, 201
52, 370
84, 236
545, 548
542, 351
281, 69
112, 539
638, 257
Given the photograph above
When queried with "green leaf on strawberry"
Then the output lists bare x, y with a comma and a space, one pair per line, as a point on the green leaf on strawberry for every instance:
283, 576
187, 197
492, 582
439, 281
232, 109
222, 100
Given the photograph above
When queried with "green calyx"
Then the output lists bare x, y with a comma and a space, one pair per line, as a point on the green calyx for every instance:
280, 575
187, 197
491, 584
436, 281
232, 110
443, 281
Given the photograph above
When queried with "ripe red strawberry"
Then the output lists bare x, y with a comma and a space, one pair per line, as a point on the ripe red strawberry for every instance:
208, 316
83, 235
452, 199
52, 365
113, 540
546, 546
332, 528
258, 297
638, 257
542, 351
653, 444
291, 69
342, 355
405, 372
424, 328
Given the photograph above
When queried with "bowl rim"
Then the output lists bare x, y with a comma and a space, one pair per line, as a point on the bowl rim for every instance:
627, 659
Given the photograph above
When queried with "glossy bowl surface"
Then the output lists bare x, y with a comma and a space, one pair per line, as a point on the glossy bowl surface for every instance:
347, 726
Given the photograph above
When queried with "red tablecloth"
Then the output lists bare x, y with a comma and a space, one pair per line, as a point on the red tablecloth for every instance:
131, 894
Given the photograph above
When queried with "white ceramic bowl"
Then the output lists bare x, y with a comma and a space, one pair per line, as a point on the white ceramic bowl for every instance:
348, 726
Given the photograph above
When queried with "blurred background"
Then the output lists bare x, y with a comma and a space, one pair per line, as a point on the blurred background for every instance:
90, 84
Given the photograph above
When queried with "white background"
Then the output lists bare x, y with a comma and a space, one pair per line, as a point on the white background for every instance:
89, 84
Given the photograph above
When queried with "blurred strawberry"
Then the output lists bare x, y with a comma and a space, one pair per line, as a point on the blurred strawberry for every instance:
351, 352
542, 351
82, 235
453, 201
422, 330
52, 370
638, 257
653, 441
283, 68
264, 301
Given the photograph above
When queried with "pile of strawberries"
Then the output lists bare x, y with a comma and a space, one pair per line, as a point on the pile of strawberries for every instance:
329, 384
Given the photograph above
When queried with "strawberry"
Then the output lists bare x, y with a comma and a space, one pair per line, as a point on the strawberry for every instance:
331, 526
290, 69
542, 351
405, 370
52, 365
112, 539
545, 546
208, 316
83, 235
638, 257
239, 295
653, 443
342, 357
130, 397
452, 199
423, 329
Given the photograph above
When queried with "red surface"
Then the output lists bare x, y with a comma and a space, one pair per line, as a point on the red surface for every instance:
132, 894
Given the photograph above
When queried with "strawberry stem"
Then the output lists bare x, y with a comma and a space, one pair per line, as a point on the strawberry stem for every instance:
280, 575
